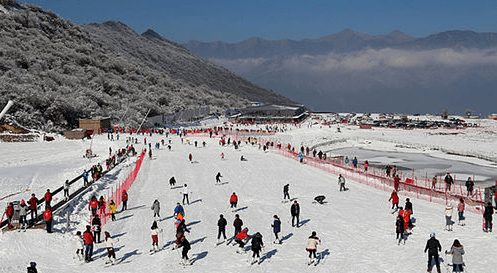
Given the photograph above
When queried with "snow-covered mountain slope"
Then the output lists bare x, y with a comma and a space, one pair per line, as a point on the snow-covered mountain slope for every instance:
356, 226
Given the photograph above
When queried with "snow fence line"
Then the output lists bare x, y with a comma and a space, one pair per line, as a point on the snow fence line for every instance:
61, 204
116, 193
410, 187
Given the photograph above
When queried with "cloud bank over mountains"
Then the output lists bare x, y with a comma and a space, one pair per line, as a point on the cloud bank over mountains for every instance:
395, 78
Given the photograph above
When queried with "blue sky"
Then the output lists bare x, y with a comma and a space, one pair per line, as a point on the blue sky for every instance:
234, 21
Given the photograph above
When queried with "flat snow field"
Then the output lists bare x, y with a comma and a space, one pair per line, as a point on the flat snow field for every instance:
356, 227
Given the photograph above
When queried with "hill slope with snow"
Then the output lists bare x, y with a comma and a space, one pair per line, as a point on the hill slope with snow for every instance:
356, 226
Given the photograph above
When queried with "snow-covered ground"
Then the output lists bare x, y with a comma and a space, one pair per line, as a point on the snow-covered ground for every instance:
356, 226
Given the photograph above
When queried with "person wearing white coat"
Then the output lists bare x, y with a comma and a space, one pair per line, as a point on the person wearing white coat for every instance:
312, 247
185, 195
448, 217
155, 230
80, 244
109, 243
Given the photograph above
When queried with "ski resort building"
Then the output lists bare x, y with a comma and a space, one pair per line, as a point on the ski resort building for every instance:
95, 123
272, 113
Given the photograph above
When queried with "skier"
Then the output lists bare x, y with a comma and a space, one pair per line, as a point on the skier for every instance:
66, 190
469, 186
178, 210
448, 217
156, 208
112, 210
109, 243
257, 245
80, 243
396, 182
408, 205
295, 212
221, 223
48, 199
155, 236
172, 182
185, 195
96, 223
237, 223
125, 201
276, 228
448, 182
285, 192
434, 182
222, 155
354, 162
150, 153
101, 205
33, 208
366, 165
190, 157
88, 238
9, 211
457, 250
388, 170
47, 216
301, 158
23, 212
395, 200
399, 229
186, 247
341, 182
433, 246
346, 160
487, 214
233, 200
32, 268
239, 239
312, 245
460, 212
218, 176
93, 206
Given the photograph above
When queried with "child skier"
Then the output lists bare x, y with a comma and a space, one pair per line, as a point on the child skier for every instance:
186, 247
155, 236
109, 243
395, 200
112, 209
460, 212
312, 245
80, 244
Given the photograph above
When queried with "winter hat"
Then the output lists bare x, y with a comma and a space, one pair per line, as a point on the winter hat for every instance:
32, 264
22, 201
107, 234
432, 235
313, 233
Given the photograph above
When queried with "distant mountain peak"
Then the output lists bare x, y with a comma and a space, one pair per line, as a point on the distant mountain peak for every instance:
151, 34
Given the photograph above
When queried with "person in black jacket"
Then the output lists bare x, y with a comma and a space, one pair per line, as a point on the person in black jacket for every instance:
285, 192
489, 211
257, 245
237, 223
295, 211
408, 206
186, 247
399, 229
221, 223
96, 223
433, 246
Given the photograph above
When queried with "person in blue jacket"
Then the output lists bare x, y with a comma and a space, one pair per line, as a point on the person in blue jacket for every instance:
276, 228
178, 210
354, 162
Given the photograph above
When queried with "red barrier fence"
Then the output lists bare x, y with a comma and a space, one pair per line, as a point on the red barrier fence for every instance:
117, 191
375, 177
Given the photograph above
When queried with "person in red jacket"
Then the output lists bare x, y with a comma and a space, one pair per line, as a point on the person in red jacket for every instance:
93, 205
10, 213
396, 182
47, 216
395, 200
48, 199
88, 238
240, 237
233, 200
33, 208
407, 220
125, 200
